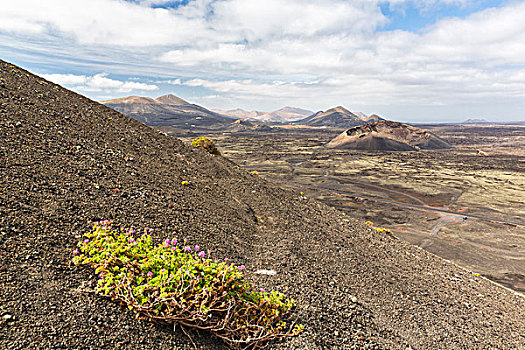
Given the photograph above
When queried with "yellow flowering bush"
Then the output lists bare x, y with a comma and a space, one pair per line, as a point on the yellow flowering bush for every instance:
206, 144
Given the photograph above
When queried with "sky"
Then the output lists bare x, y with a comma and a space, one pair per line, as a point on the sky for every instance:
407, 60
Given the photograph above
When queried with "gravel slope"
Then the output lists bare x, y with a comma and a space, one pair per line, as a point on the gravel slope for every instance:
65, 159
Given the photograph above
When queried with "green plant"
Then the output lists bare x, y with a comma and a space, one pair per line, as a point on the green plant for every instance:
206, 144
179, 285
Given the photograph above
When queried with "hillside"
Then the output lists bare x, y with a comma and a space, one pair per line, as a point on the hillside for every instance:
167, 110
65, 159
337, 117
387, 136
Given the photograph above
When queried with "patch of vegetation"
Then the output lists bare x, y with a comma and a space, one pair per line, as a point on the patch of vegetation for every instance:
206, 144
378, 229
175, 284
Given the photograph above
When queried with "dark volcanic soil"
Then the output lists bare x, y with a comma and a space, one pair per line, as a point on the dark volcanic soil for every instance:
65, 160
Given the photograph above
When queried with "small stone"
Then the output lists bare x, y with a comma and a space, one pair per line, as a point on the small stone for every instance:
8, 317
353, 299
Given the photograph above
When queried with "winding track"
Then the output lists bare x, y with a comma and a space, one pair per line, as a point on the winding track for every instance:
400, 204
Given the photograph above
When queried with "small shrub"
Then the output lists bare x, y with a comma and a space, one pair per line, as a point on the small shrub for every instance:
206, 144
378, 229
174, 283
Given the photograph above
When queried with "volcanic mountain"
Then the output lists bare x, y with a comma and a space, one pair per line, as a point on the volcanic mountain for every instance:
387, 135
337, 117
65, 159
168, 110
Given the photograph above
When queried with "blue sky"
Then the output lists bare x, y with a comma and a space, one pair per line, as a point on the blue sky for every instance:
409, 60
413, 17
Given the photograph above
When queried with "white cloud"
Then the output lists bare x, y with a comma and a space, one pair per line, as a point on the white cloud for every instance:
316, 52
97, 83
103, 22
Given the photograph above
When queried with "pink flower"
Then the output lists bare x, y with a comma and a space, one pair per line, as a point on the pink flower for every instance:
167, 241
262, 290
131, 240
173, 247
187, 249
201, 254
86, 241
75, 252
197, 248
150, 274
242, 267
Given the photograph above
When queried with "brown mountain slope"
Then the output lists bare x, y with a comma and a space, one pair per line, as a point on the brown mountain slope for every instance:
168, 110
337, 117
65, 159
387, 135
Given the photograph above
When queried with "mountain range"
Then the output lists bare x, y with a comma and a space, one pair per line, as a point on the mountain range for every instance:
283, 115
170, 110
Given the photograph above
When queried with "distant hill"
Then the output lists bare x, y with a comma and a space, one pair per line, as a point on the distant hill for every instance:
475, 121
168, 110
387, 135
239, 113
372, 118
248, 125
484, 121
337, 117
283, 115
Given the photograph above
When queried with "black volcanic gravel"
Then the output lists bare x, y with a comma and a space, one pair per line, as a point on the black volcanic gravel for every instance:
65, 159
